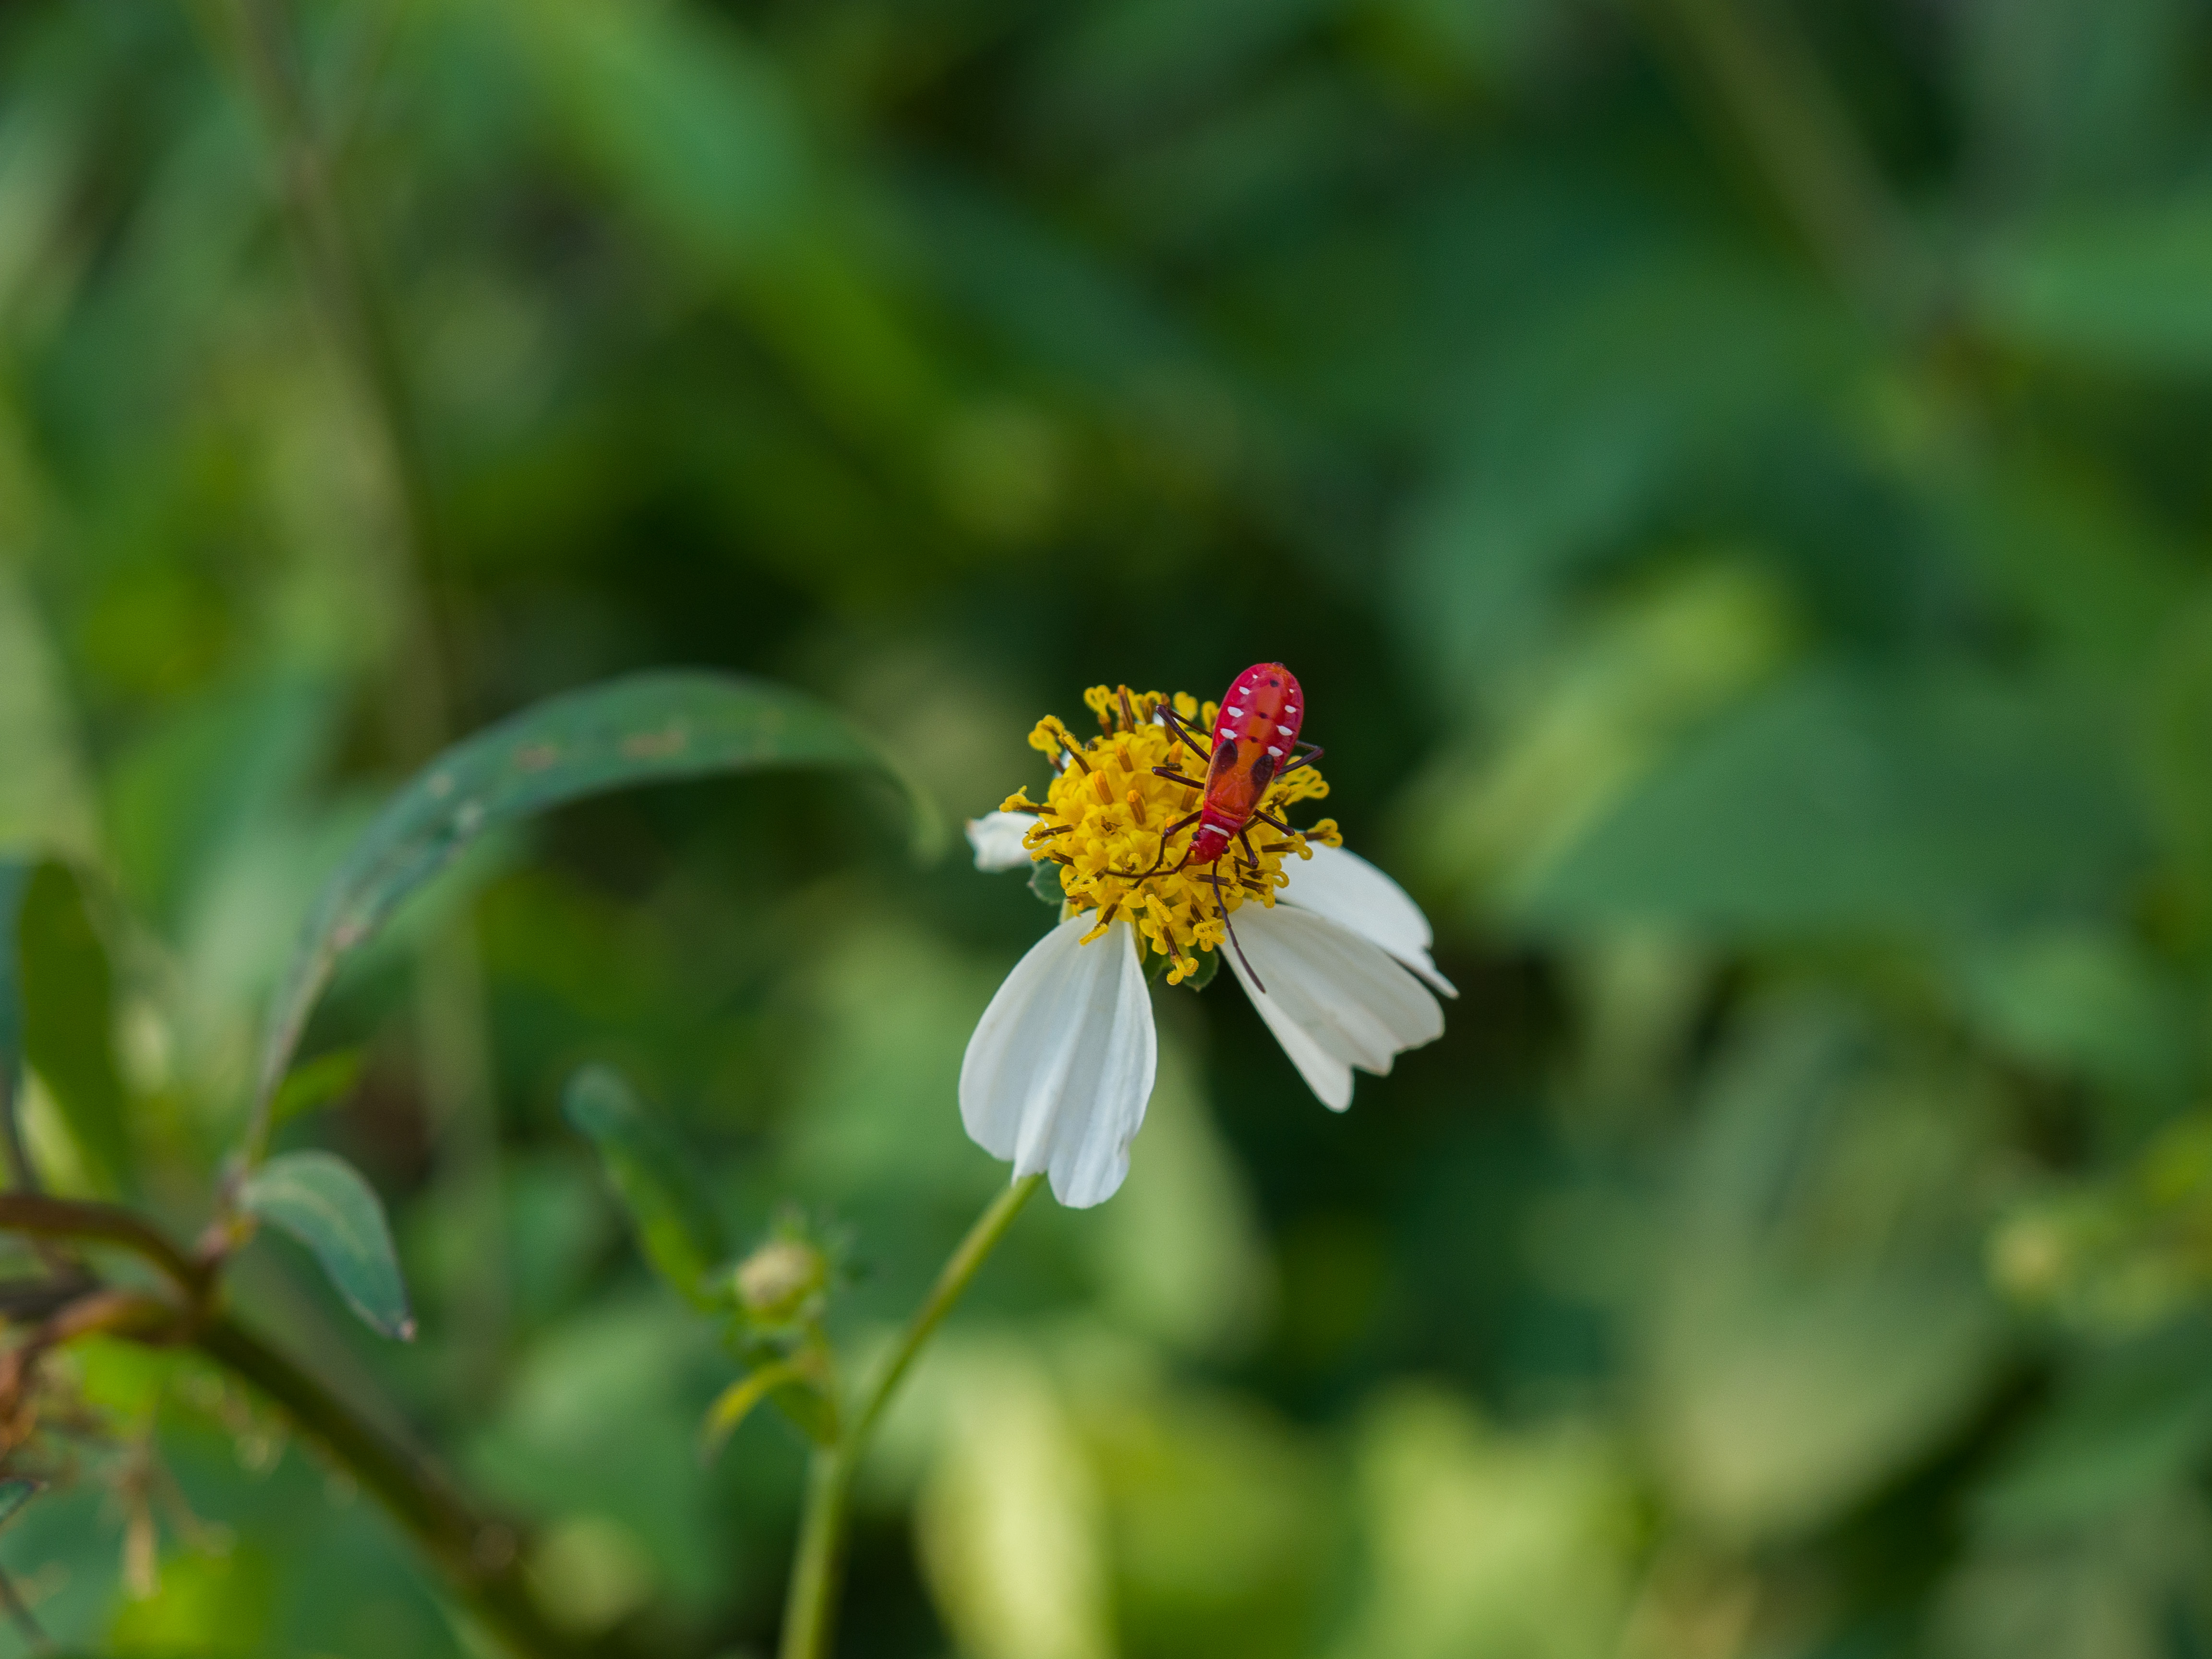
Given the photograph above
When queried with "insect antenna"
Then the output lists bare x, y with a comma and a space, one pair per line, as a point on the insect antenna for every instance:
1222, 904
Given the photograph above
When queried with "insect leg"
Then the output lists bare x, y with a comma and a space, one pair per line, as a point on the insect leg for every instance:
1222, 904
1181, 729
1309, 752
1269, 818
1170, 772
1160, 862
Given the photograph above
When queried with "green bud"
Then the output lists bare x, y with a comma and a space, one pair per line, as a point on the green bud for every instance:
777, 1280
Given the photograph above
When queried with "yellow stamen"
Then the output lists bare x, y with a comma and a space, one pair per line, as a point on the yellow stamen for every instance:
1105, 838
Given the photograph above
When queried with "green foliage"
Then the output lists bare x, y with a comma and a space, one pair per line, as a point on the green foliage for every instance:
1840, 800
648, 728
325, 1078
322, 1201
1044, 882
1729, 478
14, 878
656, 1177
15, 1493
57, 1014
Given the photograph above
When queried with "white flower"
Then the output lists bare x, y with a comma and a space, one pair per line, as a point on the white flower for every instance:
1060, 1066
997, 839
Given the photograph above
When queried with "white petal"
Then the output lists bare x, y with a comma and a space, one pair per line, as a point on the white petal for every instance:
997, 839
1061, 1064
1334, 999
1346, 888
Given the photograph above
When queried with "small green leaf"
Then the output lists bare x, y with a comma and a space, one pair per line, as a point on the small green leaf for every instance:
656, 1181
323, 1079
1044, 882
735, 1403
647, 728
65, 1003
321, 1201
1209, 964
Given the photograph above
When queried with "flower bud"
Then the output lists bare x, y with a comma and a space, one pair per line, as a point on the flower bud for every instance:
777, 1280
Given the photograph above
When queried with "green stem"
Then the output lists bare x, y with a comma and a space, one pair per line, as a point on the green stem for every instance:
457, 1073
809, 1614
1800, 137
353, 309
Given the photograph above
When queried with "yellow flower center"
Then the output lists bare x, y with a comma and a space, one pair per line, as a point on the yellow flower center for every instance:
1117, 827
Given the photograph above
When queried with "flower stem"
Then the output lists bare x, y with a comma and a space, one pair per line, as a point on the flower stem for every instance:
810, 1613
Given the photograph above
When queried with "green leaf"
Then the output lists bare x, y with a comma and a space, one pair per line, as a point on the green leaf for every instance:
66, 1004
1861, 800
323, 1079
321, 1201
1044, 882
15, 882
15, 1493
45, 799
1209, 964
656, 1181
2121, 287
795, 1381
2122, 1423
647, 728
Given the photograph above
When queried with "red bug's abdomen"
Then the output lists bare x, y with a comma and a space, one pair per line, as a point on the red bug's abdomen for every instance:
1254, 738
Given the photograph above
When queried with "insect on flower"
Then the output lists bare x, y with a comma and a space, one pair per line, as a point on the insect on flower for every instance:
1059, 1068
1255, 741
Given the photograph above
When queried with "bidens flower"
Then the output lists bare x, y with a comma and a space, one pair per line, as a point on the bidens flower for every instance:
1060, 1066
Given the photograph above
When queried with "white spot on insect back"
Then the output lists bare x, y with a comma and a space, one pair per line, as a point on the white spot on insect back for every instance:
1234, 714
1276, 752
1282, 731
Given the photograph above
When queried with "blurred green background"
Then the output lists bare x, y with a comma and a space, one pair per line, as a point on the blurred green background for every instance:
1731, 475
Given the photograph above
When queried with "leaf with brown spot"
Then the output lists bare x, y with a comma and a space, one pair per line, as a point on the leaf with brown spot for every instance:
647, 728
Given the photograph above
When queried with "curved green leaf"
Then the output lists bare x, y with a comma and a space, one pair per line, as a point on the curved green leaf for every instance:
647, 728
656, 1181
735, 1403
321, 1201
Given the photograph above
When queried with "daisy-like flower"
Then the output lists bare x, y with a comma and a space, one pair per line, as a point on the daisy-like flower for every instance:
1060, 1066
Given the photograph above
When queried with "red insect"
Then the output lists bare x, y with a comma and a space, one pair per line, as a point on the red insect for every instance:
1254, 742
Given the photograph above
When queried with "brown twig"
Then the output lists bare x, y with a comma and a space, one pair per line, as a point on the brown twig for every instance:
41, 1217
482, 1558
